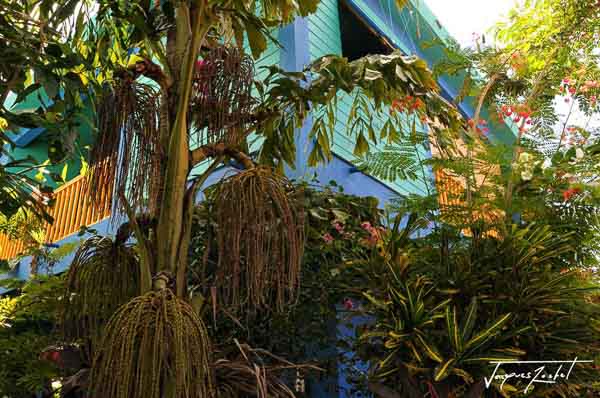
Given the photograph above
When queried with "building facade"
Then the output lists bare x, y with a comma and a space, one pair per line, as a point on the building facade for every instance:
351, 28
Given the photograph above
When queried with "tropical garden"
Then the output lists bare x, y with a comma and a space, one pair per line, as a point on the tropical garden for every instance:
243, 293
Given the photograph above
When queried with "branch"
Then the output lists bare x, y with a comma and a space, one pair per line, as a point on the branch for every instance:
149, 69
216, 150
146, 258
188, 215
9, 85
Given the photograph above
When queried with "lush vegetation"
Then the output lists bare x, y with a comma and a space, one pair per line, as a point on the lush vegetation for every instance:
241, 295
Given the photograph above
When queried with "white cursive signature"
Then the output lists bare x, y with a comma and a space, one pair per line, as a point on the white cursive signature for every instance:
539, 375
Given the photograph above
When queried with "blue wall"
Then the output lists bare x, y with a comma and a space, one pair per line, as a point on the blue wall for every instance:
302, 42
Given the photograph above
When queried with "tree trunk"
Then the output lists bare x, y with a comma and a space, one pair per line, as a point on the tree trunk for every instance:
191, 30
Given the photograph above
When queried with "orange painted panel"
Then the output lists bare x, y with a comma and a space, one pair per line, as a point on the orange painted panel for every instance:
71, 211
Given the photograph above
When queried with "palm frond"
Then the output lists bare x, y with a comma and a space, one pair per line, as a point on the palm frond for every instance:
255, 373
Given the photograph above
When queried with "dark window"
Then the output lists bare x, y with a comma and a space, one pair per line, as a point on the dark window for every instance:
358, 39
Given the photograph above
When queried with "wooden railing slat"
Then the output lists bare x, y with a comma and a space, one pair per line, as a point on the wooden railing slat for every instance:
71, 211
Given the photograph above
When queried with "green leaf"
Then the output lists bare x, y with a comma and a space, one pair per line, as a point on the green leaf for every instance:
371, 74
453, 330
489, 332
362, 146
469, 320
431, 351
256, 40
443, 370
64, 172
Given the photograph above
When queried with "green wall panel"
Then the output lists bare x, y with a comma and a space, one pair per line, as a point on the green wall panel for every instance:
325, 38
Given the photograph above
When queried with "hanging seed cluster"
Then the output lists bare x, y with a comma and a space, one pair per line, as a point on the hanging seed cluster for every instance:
221, 97
260, 237
104, 275
154, 343
127, 152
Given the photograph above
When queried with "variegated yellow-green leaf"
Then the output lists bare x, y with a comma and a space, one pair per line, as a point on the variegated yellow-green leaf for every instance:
429, 349
415, 352
489, 332
469, 319
463, 375
443, 370
452, 328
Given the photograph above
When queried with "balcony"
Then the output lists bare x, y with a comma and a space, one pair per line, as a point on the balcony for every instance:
71, 211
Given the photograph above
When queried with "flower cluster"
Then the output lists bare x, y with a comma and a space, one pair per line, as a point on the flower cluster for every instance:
570, 193
569, 87
338, 227
348, 304
588, 85
407, 104
481, 127
518, 62
572, 136
519, 113
328, 238
200, 65
375, 234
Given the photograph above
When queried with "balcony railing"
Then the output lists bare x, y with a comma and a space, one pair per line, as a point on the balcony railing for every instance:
72, 210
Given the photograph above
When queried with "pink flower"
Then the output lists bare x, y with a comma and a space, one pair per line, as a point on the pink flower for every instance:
200, 65
366, 226
328, 238
348, 304
338, 227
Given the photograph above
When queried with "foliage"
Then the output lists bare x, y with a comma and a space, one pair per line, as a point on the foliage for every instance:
27, 319
304, 331
25, 226
481, 284
376, 83
40, 59
445, 305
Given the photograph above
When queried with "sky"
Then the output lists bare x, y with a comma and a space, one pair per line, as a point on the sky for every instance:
462, 18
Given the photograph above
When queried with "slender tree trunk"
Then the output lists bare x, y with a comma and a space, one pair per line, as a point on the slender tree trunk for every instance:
191, 30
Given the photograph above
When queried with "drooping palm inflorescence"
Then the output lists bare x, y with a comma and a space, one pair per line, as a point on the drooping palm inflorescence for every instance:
128, 152
221, 99
103, 276
155, 341
260, 236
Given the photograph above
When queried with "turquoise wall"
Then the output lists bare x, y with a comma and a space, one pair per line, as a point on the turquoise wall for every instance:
325, 38
38, 148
